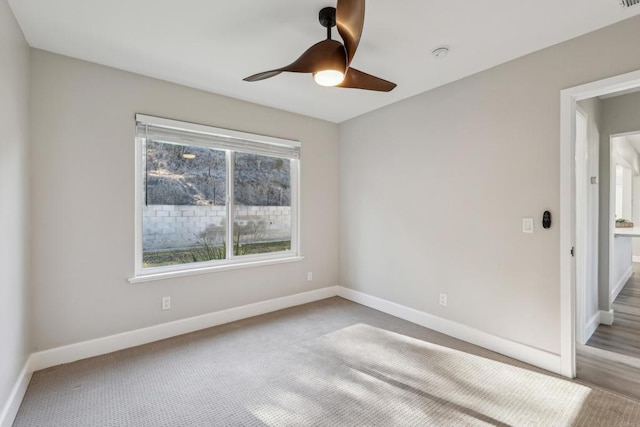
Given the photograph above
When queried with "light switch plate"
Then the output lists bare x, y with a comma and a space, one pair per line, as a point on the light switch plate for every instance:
527, 225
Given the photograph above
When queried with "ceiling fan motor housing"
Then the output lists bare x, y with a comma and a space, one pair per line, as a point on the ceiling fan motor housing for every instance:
327, 17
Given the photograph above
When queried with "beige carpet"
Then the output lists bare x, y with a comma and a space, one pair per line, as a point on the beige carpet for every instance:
450, 387
318, 365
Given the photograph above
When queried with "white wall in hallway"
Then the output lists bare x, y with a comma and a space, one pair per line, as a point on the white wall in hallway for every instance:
620, 114
592, 108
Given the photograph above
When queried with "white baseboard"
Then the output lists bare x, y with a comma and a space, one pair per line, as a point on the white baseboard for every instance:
10, 410
542, 359
623, 280
592, 325
606, 317
70, 353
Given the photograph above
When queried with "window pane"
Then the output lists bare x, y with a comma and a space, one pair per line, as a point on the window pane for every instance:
262, 204
184, 210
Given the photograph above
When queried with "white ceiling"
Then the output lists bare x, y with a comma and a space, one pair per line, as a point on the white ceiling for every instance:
213, 44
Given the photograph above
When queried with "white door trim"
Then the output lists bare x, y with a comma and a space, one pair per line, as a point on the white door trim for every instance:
568, 99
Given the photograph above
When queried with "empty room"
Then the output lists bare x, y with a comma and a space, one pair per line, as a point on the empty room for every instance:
345, 212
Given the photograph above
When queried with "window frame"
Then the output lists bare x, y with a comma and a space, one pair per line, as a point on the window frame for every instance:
142, 274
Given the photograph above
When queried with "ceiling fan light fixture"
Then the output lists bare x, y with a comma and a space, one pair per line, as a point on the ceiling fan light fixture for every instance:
328, 77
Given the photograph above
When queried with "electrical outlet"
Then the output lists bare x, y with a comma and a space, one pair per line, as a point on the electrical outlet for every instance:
309, 276
443, 299
166, 303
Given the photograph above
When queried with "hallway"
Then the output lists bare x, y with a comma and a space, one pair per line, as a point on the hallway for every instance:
624, 335
611, 357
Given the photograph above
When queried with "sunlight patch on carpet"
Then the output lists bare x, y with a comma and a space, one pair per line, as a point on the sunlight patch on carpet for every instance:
379, 377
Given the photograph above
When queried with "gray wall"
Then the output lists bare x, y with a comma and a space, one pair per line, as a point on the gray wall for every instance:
466, 162
82, 123
619, 115
14, 290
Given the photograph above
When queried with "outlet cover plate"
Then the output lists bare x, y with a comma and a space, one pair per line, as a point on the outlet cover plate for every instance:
443, 300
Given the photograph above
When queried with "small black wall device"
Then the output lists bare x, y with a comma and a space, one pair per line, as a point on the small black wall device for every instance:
546, 219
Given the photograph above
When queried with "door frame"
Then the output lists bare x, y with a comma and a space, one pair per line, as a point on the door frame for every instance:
568, 99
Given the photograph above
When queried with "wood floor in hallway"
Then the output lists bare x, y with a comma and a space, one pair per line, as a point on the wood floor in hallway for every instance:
624, 335
611, 357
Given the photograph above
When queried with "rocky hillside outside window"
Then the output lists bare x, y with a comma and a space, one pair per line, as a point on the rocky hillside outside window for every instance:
212, 197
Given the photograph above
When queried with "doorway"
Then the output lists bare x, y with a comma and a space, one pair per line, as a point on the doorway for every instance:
588, 248
621, 333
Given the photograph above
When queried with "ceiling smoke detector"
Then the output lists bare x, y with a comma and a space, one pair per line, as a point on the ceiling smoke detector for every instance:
443, 51
629, 3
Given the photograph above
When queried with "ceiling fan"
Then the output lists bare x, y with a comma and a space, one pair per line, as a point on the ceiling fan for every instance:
329, 60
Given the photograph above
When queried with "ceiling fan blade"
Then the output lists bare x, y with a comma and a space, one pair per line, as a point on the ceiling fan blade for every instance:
356, 79
327, 54
350, 22
262, 76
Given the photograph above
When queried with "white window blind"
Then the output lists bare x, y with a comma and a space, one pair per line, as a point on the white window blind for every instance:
176, 132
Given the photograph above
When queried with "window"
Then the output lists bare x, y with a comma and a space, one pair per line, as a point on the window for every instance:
212, 198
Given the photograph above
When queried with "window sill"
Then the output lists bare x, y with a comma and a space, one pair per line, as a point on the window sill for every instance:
215, 269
